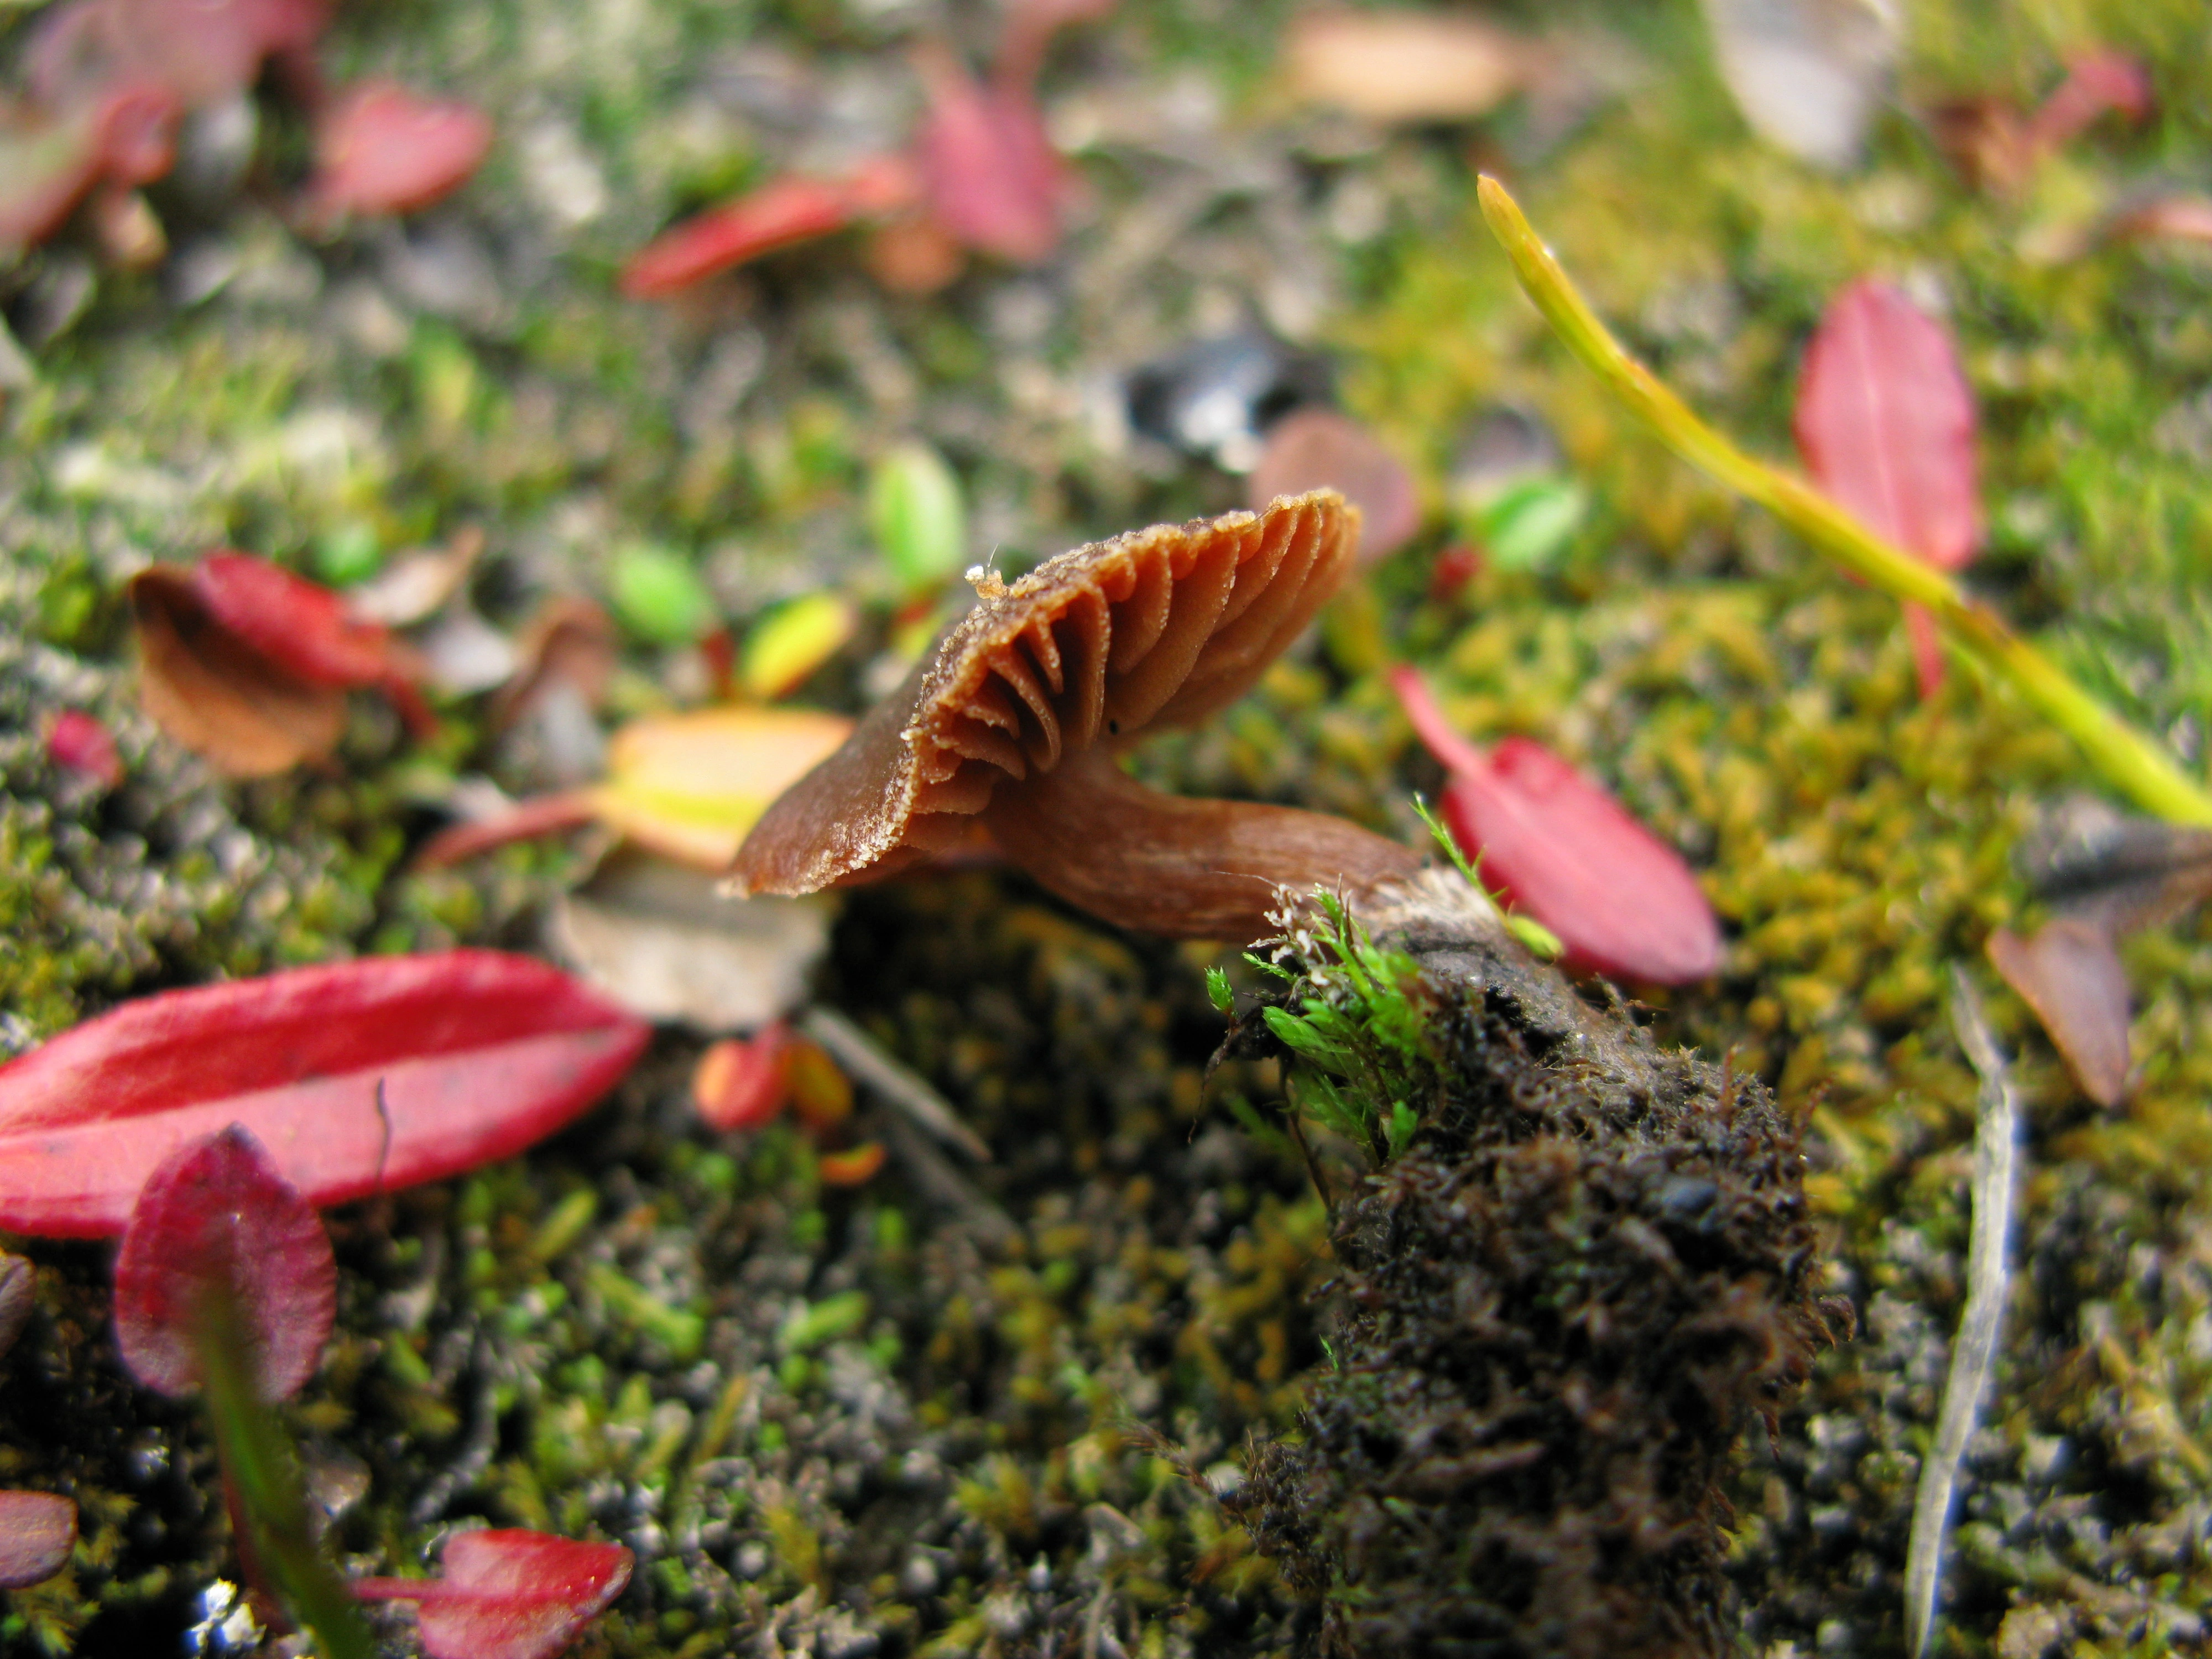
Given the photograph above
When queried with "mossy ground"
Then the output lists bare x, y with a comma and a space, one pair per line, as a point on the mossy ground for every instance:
820, 1417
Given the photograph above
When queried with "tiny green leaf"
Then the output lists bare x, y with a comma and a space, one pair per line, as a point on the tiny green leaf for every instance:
918, 516
658, 595
1529, 526
347, 553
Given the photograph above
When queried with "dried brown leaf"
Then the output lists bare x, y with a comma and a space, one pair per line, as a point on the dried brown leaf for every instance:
218, 696
2068, 973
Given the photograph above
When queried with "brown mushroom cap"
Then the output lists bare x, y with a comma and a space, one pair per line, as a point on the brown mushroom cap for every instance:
1093, 647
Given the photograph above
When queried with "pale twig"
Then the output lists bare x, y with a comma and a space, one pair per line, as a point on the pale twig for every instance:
863, 1057
1973, 1356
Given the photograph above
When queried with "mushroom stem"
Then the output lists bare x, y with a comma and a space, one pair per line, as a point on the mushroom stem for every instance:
1187, 869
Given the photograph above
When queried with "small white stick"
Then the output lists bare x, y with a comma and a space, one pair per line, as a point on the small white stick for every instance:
863, 1057
1996, 1133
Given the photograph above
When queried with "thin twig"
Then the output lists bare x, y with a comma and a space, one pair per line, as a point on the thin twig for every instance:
1996, 1158
862, 1056
2129, 759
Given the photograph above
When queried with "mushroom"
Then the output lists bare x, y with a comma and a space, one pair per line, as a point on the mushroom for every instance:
1017, 717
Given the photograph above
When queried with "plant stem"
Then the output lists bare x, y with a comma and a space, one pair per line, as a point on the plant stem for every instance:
2130, 761
259, 1464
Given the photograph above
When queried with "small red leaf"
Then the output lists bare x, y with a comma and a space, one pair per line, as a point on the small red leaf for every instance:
508, 1594
126, 132
780, 214
991, 174
2069, 974
382, 149
359, 1077
78, 742
38, 1530
304, 629
1885, 423
203, 51
217, 695
744, 1084
216, 1220
1557, 847
2096, 81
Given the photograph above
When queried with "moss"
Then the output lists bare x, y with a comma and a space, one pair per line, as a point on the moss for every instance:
1584, 1265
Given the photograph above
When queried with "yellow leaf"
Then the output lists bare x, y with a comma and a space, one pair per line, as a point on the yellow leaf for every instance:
787, 645
689, 786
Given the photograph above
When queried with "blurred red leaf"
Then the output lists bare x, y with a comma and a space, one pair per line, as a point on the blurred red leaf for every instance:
989, 171
2095, 83
215, 1220
780, 213
38, 1530
78, 742
507, 1594
2182, 216
1998, 146
1885, 423
1561, 849
216, 694
382, 149
308, 630
1312, 448
49, 161
359, 1077
203, 51
743, 1084
2070, 973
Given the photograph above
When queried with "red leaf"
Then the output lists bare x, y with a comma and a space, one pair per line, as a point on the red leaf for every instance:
216, 1219
1558, 848
508, 1594
744, 1084
381, 150
991, 174
2069, 972
77, 741
203, 51
780, 213
217, 695
48, 162
38, 1530
307, 629
1885, 423
2096, 81
479, 1054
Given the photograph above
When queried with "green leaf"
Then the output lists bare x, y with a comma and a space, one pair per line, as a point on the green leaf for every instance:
347, 553
658, 596
1528, 525
918, 516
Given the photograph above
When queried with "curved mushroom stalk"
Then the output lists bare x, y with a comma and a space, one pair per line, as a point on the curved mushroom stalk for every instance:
1015, 719
1186, 869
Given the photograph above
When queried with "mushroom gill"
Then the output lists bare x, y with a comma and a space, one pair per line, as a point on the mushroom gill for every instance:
1016, 716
